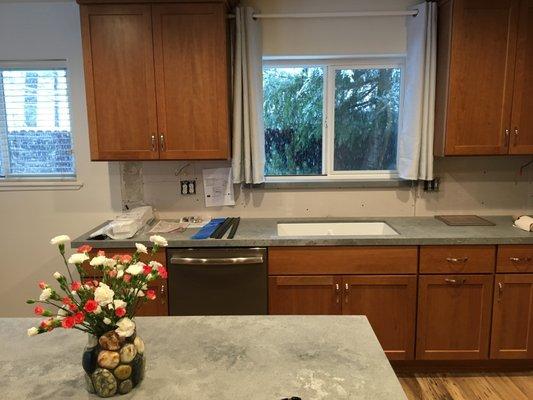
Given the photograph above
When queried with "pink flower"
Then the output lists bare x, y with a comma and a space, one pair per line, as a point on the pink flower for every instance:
150, 294
47, 324
146, 269
120, 312
79, 317
90, 306
84, 249
112, 273
43, 285
125, 258
126, 278
38, 310
162, 271
75, 286
68, 322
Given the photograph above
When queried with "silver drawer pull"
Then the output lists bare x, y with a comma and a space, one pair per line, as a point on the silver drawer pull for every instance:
457, 260
520, 260
216, 261
455, 281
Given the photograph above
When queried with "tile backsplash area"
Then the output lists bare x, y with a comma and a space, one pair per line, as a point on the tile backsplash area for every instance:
482, 185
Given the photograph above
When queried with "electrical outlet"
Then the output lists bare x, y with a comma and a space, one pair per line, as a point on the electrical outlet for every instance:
188, 187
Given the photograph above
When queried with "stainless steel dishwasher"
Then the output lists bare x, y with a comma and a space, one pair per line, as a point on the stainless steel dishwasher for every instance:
217, 281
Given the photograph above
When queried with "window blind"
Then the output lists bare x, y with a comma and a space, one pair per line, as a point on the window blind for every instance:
35, 128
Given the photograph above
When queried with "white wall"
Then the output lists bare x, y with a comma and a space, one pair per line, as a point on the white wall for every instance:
30, 31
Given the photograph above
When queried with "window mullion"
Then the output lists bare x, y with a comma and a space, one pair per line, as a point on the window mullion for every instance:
4, 159
330, 116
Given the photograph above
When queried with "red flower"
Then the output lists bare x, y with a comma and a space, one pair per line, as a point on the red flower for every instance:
42, 285
84, 249
90, 306
66, 300
162, 271
125, 258
38, 310
79, 317
150, 294
47, 324
126, 278
73, 307
120, 312
76, 285
100, 253
68, 322
112, 273
146, 269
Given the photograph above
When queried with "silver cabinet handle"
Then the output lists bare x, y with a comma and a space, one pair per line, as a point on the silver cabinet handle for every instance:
346, 296
162, 142
516, 133
454, 260
154, 148
216, 261
162, 293
455, 281
520, 260
500, 291
337, 289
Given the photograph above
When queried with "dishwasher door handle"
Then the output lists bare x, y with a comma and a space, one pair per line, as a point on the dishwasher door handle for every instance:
216, 261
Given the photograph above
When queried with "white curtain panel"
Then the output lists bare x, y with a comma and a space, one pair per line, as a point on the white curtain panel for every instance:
248, 137
415, 141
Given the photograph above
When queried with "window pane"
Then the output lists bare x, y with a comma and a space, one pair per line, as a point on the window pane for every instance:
367, 104
37, 122
293, 101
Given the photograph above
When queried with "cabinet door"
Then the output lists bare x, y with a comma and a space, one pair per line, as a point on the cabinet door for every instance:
481, 76
454, 317
119, 80
512, 324
389, 303
304, 295
192, 77
159, 306
522, 120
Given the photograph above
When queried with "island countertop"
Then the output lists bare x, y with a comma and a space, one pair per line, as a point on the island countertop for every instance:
254, 232
223, 358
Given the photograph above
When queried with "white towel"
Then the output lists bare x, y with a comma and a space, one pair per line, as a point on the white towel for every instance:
525, 222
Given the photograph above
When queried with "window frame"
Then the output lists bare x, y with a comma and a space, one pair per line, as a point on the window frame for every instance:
41, 181
330, 65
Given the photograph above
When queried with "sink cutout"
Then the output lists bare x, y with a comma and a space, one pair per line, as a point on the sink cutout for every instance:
335, 229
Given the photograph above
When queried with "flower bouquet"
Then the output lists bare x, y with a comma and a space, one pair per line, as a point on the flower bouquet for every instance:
104, 308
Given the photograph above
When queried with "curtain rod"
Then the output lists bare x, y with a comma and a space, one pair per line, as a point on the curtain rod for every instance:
413, 13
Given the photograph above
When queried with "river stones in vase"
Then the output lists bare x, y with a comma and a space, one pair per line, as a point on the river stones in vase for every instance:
109, 341
137, 365
122, 372
139, 344
108, 359
125, 386
88, 360
89, 384
104, 383
128, 353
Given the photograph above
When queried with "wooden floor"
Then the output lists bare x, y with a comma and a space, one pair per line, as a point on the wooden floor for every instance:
468, 386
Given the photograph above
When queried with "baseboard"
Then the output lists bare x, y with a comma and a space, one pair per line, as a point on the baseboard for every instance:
461, 365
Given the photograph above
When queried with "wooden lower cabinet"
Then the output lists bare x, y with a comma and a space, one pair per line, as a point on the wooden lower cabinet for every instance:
512, 323
388, 301
454, 316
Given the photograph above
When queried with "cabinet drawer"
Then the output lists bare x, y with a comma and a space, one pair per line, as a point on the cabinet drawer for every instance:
457, 259
160, 256
342, 260
515, 258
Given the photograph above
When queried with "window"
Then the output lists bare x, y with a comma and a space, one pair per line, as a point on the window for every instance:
35, 133
330, 119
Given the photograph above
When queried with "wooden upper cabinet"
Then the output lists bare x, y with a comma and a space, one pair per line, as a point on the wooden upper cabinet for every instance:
454, 314
156, 80
119, 81
512, 322
475, 74
191, 77
521, 141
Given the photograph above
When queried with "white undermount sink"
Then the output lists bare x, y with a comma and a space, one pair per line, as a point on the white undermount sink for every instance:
335, 229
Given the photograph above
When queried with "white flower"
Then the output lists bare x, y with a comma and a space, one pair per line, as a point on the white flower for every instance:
135, 269
120, 273
62, 312
98, 260
107, 321
33, 331
45, 294
141, 248
125, 327
78, 258
140, 293
110, 262
119, 304
103, 294
144, 287
159, 240
74, 293
155, 264
61, 239
98, 310
57, 275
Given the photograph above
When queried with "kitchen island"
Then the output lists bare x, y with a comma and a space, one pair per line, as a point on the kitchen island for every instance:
223, 358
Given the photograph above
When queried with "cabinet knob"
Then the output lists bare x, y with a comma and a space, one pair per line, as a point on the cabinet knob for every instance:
459, 260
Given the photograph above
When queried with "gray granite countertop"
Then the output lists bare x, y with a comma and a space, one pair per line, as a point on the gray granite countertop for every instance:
412, 231
223, 358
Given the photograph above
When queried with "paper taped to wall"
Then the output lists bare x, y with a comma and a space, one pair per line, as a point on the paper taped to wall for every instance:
218, 187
